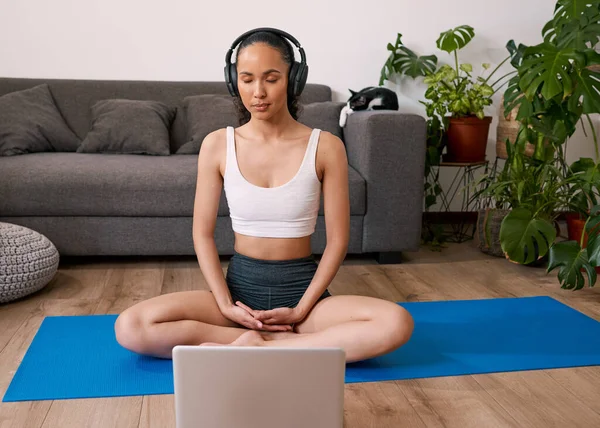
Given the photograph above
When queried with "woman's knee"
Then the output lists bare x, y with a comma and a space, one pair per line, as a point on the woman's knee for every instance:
130, 331
398, 325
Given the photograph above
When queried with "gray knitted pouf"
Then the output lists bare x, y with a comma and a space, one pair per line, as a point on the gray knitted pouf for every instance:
28, 261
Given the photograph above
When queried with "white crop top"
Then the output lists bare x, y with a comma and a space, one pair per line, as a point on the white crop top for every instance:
286, 211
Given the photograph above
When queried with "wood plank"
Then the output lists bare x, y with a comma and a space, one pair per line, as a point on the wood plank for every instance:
114, 305
454, 402
376, 279
441, 277
410, 288
30, 414
378, 405
13, 315
142, 280
581, 382
183, 276
535, 399
117, 412
78, 282
158, 411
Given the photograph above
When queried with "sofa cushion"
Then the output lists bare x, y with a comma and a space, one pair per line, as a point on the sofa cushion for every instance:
323, 115
205, 114
30, 122
82, 184
129, 127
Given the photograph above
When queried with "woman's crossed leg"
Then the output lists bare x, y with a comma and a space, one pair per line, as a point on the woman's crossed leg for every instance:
364, 327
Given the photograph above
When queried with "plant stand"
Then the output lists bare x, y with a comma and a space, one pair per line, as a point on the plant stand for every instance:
462, 182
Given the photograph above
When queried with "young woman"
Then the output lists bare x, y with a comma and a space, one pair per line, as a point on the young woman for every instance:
274, 171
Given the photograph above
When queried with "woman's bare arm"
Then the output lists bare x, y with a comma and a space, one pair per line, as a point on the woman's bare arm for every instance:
336, 204
209, 185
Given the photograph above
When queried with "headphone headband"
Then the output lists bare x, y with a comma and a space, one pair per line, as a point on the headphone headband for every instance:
271, 30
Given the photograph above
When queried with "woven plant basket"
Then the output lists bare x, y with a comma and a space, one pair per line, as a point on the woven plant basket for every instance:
488, 230
508, 127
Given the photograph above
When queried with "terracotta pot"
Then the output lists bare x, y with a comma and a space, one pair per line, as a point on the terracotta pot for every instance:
575, 227
467, 139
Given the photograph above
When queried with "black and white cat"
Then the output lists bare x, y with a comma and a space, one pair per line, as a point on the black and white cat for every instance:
370, 98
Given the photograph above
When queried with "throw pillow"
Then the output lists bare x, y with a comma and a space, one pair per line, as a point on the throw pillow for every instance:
205, 114
323, 115
129, 127
30, 122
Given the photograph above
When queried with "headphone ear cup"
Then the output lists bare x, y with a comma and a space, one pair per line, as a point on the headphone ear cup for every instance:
227, 78
231, 79
298, 76
301, 78
292, 79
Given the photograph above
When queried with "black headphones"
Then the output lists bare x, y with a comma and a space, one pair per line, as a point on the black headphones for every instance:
298, 70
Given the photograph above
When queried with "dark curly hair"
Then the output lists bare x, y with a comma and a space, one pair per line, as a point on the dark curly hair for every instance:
287, 53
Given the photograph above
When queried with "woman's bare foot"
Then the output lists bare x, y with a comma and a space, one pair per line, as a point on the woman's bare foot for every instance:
255, 338
279, 335
250, 338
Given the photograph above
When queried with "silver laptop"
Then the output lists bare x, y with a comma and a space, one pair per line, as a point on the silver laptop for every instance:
262, 387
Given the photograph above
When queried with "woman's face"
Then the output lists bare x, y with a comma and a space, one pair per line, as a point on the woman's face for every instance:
262, 80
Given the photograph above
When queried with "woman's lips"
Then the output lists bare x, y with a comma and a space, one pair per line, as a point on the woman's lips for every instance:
261, 107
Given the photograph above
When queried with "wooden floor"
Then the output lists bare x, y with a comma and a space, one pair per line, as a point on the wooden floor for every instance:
545, 398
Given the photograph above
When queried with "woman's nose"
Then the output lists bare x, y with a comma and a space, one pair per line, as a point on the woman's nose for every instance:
259, 90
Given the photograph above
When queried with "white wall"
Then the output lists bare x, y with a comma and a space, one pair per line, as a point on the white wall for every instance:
345, 42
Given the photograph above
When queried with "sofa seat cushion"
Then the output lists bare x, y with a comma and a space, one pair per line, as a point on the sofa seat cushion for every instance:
90, 184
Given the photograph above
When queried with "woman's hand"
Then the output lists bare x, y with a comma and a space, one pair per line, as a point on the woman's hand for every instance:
245, 316
277, 316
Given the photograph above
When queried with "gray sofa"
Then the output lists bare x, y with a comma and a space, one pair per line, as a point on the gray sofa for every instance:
129, 204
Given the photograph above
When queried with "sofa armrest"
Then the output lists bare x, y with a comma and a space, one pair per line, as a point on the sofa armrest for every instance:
388, 149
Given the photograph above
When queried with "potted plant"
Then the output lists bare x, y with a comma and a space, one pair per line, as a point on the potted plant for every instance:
403, 61
458, 98
526, 196
556, 86
584, 177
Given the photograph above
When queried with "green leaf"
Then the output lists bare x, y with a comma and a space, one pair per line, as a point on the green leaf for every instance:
516, 53
402, 60
412, 65
574, 25
587, 90
514, 98
592, 228
546, 66
570, 258
456, 38
467, 68
430, 200
589, 172
525, 238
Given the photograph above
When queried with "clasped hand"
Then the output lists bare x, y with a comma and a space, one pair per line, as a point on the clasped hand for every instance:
278, 319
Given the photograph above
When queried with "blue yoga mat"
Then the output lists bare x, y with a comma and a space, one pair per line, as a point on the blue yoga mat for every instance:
78, 357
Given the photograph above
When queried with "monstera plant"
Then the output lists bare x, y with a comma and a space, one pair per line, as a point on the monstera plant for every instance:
556, 87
